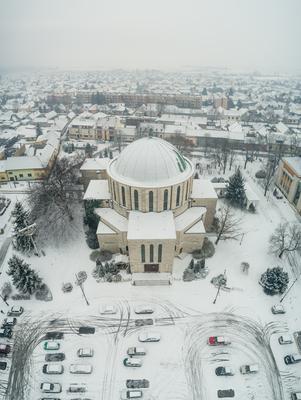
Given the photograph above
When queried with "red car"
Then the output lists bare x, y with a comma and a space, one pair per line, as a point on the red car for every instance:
218, 341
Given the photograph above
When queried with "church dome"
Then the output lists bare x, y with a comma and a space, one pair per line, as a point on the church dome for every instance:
150, 162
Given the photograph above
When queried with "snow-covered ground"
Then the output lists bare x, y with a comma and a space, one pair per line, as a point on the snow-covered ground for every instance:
182, 365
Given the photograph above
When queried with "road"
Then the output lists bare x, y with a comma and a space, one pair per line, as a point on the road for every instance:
3, 251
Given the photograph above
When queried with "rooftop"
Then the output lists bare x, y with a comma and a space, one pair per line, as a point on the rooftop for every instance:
203, 189
151, 225
94, 164
294, 163
150, 162
98, 189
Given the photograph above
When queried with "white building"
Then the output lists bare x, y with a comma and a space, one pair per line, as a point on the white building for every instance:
155, 210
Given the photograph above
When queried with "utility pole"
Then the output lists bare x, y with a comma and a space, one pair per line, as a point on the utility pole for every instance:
283, 297
80, 284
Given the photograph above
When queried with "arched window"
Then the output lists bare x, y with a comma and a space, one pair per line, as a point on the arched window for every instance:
123, 196
160, 253
142, 253
165, 200
136, 200
151, 253
114, 191
178, 196
186, 195
151, 201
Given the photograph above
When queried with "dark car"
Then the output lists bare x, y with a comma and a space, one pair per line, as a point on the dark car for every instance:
223, 371
6, 332
292, 359
225, 393
141, 322
54, 335
3, 365
55, 357
137, 383
4, 350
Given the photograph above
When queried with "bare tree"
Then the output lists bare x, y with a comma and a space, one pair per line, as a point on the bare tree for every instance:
54, 205
286, 239
232, 157
228, 226
269, 168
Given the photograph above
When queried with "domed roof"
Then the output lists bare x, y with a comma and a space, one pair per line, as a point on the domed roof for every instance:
150, 162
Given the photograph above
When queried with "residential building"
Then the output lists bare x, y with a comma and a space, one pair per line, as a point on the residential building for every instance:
288, 180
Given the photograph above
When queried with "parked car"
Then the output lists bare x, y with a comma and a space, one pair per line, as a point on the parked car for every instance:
223, 371
77, 388
51, 345
296, 396
15, 311
9, 321
144, 309
85, 352
53, 369
130, 394
136, 351
3, 365
137, 383
80, 369
285, 339
142, 322
132, 362
225, 393
48, 387
108, 309
6, 332
218, 341
278, 309
292, 358
249, 369
50, 398
149, 337
4, 349
55, 357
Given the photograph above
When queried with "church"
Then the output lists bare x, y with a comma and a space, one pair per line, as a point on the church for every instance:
150, 206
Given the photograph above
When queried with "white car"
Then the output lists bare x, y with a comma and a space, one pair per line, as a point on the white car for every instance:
85, 352
53, 369
149, 337
278, 309
15, 311
130, 394
108, 309
80, 369
48, 387
249, 369
132, 362
144, 309
285, 339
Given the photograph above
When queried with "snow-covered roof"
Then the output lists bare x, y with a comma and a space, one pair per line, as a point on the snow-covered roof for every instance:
250, 194
203, 189
94, 164
189, 217
197, 228
150, 162
97, 190
294, 163
110, 216
151, 225
13, 163
103, 229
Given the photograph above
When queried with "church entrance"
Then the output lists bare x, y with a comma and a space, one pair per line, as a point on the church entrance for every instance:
151, 267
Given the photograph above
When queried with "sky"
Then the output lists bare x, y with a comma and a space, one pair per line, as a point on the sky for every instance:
261, 35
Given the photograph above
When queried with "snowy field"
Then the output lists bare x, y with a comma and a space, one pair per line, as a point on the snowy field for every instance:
182, 365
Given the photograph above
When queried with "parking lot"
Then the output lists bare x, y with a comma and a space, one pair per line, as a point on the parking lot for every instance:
181, 365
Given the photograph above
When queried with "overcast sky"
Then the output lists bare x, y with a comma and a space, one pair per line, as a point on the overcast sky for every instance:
91, 34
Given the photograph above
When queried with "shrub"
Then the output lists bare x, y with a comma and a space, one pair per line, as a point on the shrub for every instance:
206, 251
274, 281
91, 239
261, 174
43, 293
188, 275
116, 278
6, 290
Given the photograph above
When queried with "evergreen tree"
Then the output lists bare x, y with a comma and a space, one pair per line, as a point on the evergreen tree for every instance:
20, 216
24, 278
236, 190
274, 281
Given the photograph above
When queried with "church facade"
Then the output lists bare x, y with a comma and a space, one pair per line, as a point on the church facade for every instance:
152, 208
